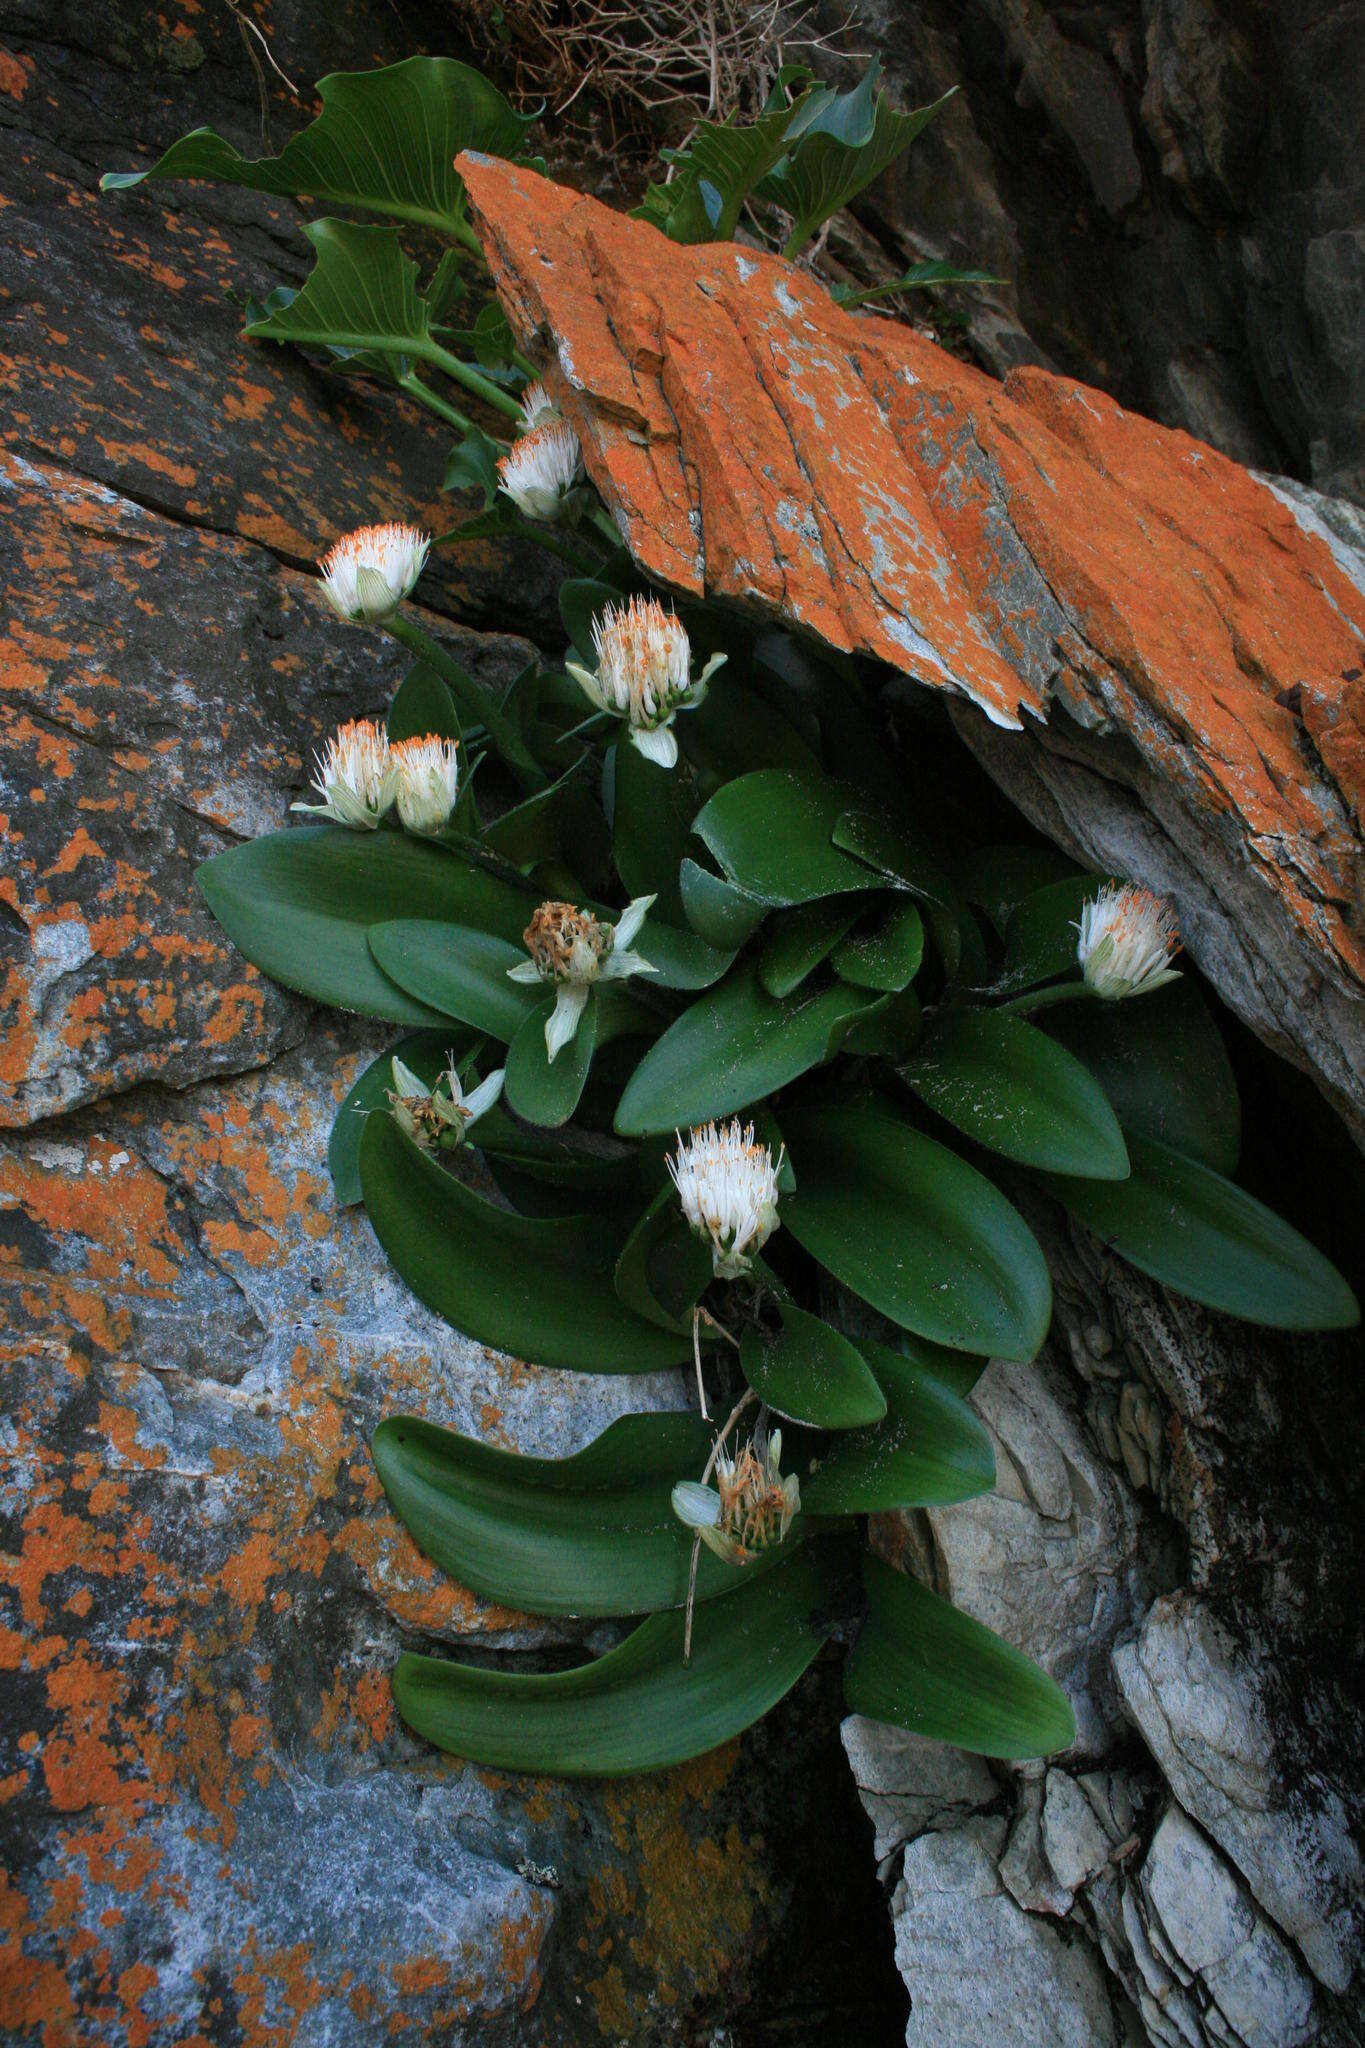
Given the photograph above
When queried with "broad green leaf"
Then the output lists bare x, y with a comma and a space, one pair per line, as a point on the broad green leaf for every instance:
385, 142
458, 971
810, 1372
541, 1290
734, 1045
640, 1707
1206, 1238
472, 465
996, 878
593, 1534
886, 955
916, 278
888, 845
930, 1449
914, 1230
888, 1030
1007, 1085
664, 1268
652, 818
1043, 930
1162, 1063
734, 157
582, 599
796, 941
533, 830
426, 1053
922, 1666
361, 293
298, 905
423, 705
546, 1091
717, 911
825, 172
770, 832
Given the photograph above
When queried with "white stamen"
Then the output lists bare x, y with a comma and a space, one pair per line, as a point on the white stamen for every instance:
644, 673
425, 781
727, 1184
537, 408
542, 470
1127, 937
368, 573
355, 777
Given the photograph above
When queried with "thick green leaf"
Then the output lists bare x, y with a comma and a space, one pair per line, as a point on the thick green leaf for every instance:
717, 911
888, 845
1201, 1235
592, 1534
1002, 1082
810, 1372
534, 829
1043, 930
796, 941
734, 157
298, 905
996, 878
825, 171
458, 971
360, 294
581, 600
640, 1707
652, 818
733, 1046
546, 1091
1163, 1065
885, 956
771, 830
916, 278
426, 1053
541, 1290
423, 705
888, 1029
385, 142
664, 1268
922, 1666
915, 1231
930, 1449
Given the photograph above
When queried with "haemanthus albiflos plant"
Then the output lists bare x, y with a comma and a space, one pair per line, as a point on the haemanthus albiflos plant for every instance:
754, 1059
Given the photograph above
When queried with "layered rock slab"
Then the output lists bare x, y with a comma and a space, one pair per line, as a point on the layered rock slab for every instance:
1125, 621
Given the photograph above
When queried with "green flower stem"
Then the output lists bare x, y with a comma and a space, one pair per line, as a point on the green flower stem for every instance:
1044, 998
473, 380
432, 400
476, 704
605, 524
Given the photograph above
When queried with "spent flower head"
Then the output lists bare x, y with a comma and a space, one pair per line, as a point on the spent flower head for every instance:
425, 779
1127, 938
751, 1506
542, 471
440, 1116
727, 1184
368, 573
355, 776
572, 949
644, 673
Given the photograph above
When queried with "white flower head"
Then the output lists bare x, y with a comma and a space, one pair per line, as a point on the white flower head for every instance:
441, 1115
750, 1508
424, 780
537, 408
355, 777
1127, 937
644, 673
368, 573
542, 471
573, 949
727, 1184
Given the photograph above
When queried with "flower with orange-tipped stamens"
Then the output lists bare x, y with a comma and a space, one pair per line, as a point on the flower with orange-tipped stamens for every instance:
368, 573
1127, 938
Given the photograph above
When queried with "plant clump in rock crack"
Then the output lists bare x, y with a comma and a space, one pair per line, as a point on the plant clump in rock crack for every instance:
746, 1051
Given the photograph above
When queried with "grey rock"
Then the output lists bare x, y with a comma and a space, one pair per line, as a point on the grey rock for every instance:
1075, 1840
907, 1784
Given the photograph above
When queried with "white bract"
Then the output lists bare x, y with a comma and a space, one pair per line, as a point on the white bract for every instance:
355, 777
644, 674
368, 573
573, 949
424, 779
727, 1184
750, 1508
431, 1117
537, 408
1127, 937
542, 471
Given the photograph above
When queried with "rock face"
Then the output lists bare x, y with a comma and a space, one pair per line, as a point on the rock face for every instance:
1168, 191
1186, 660
211, 1826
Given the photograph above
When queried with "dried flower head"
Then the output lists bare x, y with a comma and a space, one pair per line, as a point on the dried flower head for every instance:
542, 471
440, 1116
1127, 937
750, 1508
644, 673
537, 408
727, 1184
573, 949
355, 776
368, 573
425, 778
